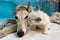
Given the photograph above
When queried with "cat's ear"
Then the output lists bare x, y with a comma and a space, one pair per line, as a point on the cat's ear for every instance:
29, 8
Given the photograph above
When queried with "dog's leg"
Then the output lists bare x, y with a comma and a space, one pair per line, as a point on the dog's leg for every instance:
6, 22
45, 31
8, 30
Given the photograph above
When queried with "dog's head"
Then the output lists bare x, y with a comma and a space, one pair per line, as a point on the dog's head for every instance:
37, 17
34, 16
20, 14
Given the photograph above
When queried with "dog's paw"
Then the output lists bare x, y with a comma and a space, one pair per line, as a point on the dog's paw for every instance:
45, 33
2, 34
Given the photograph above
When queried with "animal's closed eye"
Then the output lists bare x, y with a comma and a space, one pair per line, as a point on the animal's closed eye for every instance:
38, 19
16, 17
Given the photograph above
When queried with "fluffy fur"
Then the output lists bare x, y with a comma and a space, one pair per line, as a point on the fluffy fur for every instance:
39, 20
55, 18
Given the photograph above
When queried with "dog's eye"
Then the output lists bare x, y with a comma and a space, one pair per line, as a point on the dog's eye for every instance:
38, 19
26, 17
16, 17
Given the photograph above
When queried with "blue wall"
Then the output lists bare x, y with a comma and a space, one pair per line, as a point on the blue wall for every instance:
7, 7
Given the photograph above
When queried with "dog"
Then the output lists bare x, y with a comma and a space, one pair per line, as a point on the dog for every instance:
20, 24
39, 20
55, 18
25, 18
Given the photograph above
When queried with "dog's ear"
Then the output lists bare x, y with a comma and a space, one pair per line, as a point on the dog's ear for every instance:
29, 8
14, 13
17, 8
37, 8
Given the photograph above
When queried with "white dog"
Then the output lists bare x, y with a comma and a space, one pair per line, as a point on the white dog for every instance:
39, 20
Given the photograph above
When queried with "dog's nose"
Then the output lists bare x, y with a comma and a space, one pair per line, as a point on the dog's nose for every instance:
20, 33
26, 17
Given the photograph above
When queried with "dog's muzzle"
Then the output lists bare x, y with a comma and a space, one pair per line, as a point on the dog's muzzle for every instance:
20, 33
